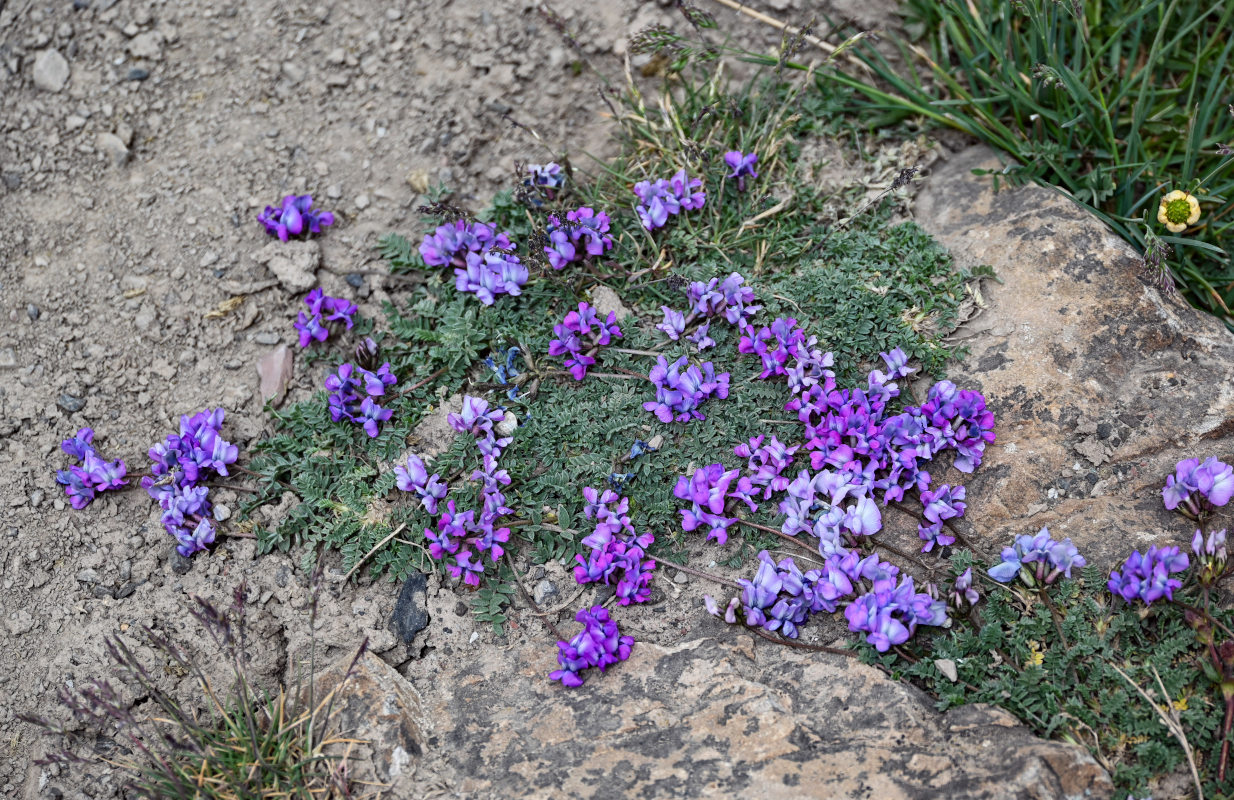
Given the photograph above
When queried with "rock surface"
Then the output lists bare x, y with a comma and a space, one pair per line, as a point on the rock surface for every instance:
51, 71
1099, 383
730, 717
377, 705
294, 263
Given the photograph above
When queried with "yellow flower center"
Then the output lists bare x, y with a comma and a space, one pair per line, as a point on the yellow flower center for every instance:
1178, 211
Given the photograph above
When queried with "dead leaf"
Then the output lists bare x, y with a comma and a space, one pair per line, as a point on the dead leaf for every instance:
226, 307
275, 371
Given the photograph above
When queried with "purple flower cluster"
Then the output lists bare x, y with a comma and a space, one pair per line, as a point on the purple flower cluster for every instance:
766, 465
679, 394
742, 166
599, 644
294, 217
777, 343
548, 176
571, 344
92, 475
890, 616
459, 533
451, 243
664, 198
489, 274
781, 598
415, 478
728, 297
179, 465
941, 504
711, 299
963, 594
707, 492
352, 391
1148, 576
1038, 559
1198, 488
322, 310
1210, 556
615, 548
583, 236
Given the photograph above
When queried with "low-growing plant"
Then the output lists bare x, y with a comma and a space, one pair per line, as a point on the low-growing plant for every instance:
1122, 106
248, 744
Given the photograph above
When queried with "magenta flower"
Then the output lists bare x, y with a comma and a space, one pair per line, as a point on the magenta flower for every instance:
742, 166
1147, 577
296, 216
93, 475
599, 644
570, 340
1199, 488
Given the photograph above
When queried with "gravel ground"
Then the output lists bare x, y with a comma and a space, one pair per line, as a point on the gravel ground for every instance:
140, 139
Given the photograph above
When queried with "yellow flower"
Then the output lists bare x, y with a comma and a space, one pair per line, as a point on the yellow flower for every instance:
1178, 210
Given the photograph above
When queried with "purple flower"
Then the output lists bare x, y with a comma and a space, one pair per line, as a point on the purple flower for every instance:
685, 190
415, 478
79, 445
93, 475
583, 236
195, 541
310, 329
1147, 576
679, 394
599, 644
453, 242
1197, 487
664, 198
77, 486
570, 343
549, 176
296, 216
871, 614
742, 165
942, 504
489, 274
674, 323
1210, 556
963, 591
476, 418
1037, 557
470, 571
700, 337
352, 390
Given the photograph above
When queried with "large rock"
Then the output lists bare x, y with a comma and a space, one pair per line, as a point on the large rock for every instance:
377, 707
1098, 382
725, 717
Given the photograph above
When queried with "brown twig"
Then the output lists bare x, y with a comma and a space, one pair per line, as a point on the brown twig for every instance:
376, 547
415, 386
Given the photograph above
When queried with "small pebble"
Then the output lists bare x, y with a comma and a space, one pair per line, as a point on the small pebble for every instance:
354, 280
179, 564
362, 202
70, 404
221, 512
138, 74
680, 577
266, 337
32, 311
